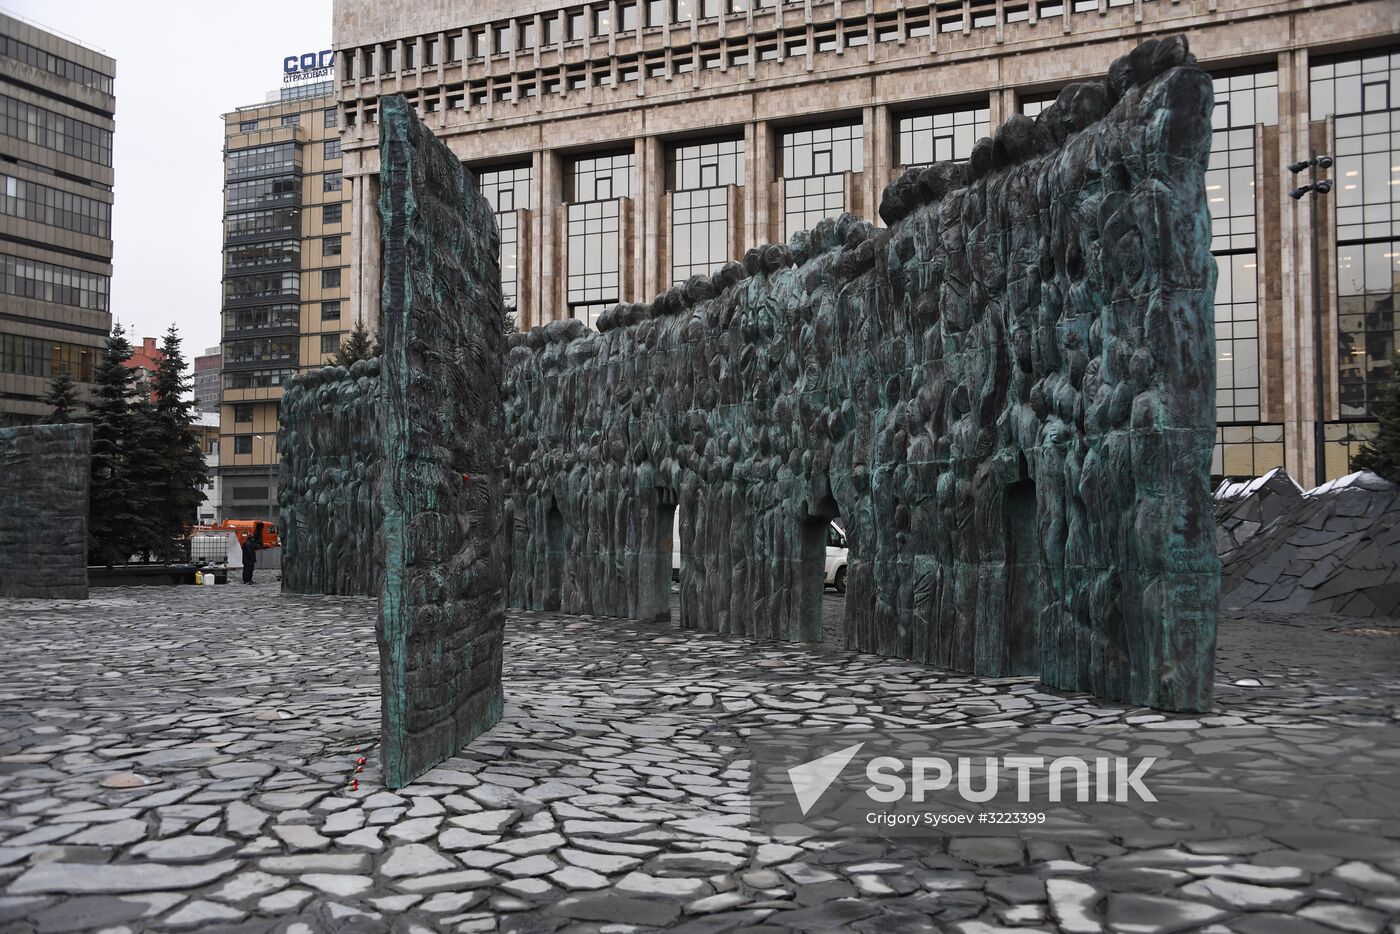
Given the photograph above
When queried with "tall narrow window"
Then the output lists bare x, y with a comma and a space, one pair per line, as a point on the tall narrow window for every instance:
595, 185
1356, 92
700, 176
1244, 447
814, 165
507, 190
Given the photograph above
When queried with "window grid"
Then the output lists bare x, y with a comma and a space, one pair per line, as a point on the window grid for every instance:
261, 255
49, 282
1246, 451
1241, 101
600, 178
808, 201
261, 318
1237, 338
942, 136
257, 379
262, 192
33, 356
261, 350
707, 165
286, 285
588, 313
261, 160
46, 205
593, 252
814, 163
54, 131
699, 232
1362, 92
261, 223
507, 190
54, 64
700, 176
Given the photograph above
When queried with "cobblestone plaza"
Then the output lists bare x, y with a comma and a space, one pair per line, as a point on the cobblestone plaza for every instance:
185, 758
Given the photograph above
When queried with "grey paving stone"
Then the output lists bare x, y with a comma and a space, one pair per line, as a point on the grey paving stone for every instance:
74, 878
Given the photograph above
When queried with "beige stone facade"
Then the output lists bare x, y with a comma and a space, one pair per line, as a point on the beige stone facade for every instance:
286, 251
56, 125
536, 92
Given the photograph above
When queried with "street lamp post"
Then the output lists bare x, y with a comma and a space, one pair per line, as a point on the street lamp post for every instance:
1316, 189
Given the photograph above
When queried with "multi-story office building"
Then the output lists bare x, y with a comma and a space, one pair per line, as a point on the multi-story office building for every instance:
626, 144
285, 227
208, 378
56, 123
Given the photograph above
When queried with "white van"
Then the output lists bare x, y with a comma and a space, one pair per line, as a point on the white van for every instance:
836, 551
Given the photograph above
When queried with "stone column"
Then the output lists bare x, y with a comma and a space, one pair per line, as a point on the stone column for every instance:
759, 175
880, 158
551, 241
652, 257
1297, 256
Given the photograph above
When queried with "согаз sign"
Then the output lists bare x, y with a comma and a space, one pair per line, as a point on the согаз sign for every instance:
308, 65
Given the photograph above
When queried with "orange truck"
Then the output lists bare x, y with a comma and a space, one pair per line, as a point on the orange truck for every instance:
266, 531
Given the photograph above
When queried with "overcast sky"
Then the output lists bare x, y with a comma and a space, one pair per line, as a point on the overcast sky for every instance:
180, 65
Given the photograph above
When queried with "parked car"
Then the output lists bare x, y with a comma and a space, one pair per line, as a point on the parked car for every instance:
836, 554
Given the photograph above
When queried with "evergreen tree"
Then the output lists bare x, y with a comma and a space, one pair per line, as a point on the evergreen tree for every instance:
146, 473
1381, 454
182, 471
111, 518
508, 324
62, 397
358, 346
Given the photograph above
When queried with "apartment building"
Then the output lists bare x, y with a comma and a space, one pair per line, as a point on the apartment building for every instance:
628, 144
285, 283
57, 109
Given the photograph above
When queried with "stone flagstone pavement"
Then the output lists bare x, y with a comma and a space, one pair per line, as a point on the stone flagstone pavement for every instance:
183, 759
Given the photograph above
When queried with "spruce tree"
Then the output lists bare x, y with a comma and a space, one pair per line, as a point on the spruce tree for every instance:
182, 472
358, 346
111, 517
1381, 454
62, 397
146, 470
508, 322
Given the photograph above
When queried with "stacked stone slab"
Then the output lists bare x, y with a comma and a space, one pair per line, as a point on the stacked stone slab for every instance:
44, 511
328, 488
1337, 550
1006, 396
1242, 508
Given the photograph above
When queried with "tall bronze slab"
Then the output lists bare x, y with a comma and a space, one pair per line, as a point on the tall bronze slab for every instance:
46, 471
1007, 396
442, 608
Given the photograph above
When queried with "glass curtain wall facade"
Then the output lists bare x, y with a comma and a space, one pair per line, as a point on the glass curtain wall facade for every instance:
594, 189
815, 163
507, 190
1362, 95
1245, 447
700, 176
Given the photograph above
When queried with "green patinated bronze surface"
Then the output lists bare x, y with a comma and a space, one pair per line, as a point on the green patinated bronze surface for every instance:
1007, 396
442, 609
328, 442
